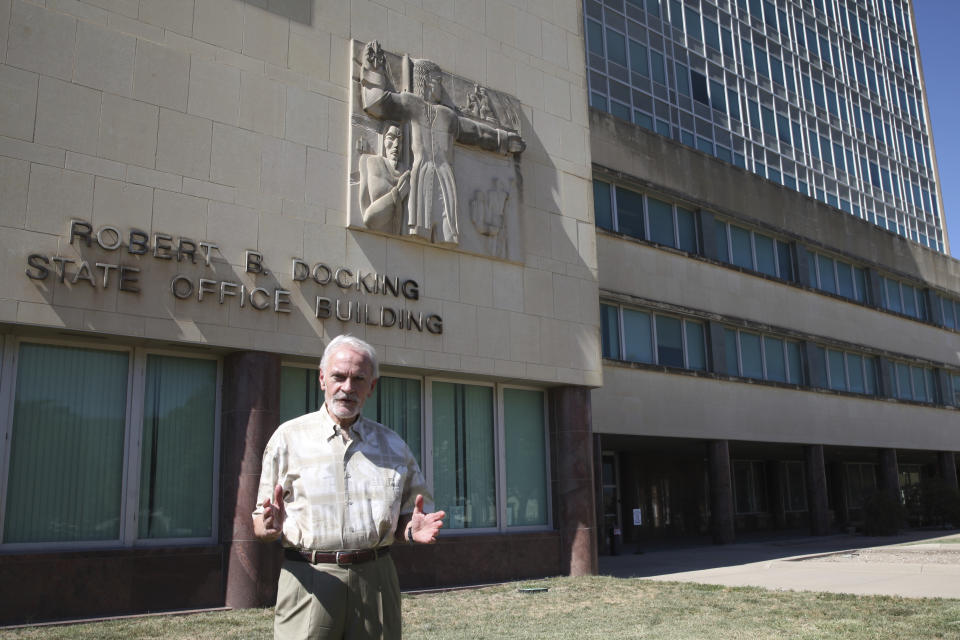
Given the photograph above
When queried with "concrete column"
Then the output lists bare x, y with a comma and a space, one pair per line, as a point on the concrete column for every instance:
573, 493
816, 471
947, 462
250, 415
889, 473
721, 492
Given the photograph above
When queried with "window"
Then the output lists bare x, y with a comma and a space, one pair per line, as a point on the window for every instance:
476, 486
847, 371
754, 251
955, 387
634, 214
762, 357
653, 338
464, 469
395, 402
913, 382
610, 331
838, 277
158, 452
750, 486
525, 448
903, 298
179, 415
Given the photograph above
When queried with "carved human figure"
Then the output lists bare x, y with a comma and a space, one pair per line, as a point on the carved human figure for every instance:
434, 127
383, 187
488, 212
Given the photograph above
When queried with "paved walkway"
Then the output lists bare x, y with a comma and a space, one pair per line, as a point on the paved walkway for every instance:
839, 564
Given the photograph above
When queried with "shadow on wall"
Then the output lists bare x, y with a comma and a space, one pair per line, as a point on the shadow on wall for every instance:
297, 10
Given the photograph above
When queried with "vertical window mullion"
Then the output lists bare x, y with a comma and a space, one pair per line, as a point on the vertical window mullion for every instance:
646, 218
7, 383
683, 343
614, 213
676, 227
623, 336
500, 466
763, 352
653, 338
133, 436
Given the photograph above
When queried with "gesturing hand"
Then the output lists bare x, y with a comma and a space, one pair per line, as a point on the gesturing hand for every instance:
424, 527
273, 515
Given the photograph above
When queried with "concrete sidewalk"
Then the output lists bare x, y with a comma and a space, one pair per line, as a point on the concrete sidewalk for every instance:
839, 564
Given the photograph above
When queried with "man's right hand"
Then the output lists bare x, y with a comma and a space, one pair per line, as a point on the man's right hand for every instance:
268, 526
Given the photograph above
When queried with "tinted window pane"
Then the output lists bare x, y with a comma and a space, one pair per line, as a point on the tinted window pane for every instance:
721, 238
740, 242
687, 229
750, 355
919, 385
661, 222
860, 277
602, 211
609, 332
776, 364
464, 468
616, 48
794, 363
785, 261
870, 371
696, 350
893, 294
638, 59
526, 459
844, 280
838, 380
855, 372
630, 212
730, 352
669, 342
910, 301
65, 474
827, 279
636, 336
904, 387
766, 259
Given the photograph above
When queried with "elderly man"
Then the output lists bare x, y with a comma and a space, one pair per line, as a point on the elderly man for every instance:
337, 489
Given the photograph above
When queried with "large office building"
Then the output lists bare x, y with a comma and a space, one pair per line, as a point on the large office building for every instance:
611, 304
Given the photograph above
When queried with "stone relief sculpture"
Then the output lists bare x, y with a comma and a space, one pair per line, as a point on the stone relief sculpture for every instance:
383, 187
423, 202
489, 212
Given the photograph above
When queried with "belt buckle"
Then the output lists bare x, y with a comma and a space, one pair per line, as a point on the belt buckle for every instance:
346, 554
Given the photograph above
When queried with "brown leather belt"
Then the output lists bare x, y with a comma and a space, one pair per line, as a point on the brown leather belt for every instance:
342, 558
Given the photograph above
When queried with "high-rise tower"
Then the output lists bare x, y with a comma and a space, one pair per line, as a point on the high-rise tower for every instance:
825, 97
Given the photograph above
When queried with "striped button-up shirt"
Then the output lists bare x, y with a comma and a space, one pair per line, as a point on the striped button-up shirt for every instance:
339, 495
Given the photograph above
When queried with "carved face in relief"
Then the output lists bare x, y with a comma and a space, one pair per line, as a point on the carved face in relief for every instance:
428, 81
391, 145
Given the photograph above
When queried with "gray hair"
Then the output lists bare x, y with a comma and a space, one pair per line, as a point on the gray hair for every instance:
347, 340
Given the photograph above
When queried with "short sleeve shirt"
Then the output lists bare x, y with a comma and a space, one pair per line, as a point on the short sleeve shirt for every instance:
340, 495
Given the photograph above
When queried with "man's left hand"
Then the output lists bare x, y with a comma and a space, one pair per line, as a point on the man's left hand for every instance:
424, 527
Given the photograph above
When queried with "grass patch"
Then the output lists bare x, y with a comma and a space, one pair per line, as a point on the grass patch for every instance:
946, 540
592, 608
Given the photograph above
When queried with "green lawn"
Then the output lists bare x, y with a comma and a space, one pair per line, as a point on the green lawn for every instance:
946, 540
587, 609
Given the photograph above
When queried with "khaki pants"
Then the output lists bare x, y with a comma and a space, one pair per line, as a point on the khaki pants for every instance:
330, 602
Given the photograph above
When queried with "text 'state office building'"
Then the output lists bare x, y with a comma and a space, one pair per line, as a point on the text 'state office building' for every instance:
681, 262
